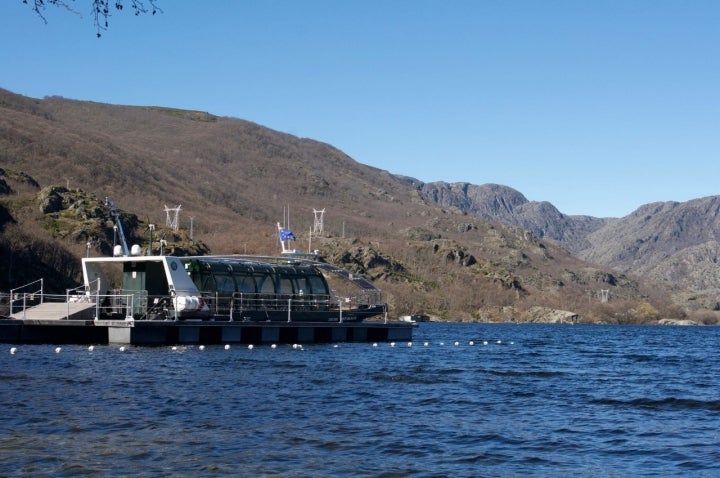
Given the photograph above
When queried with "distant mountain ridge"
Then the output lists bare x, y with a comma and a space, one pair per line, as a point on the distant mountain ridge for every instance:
672, 242
506, 205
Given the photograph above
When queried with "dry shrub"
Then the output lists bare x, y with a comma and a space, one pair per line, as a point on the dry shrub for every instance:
705, 317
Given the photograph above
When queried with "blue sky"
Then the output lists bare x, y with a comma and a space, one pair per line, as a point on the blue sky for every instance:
598, 106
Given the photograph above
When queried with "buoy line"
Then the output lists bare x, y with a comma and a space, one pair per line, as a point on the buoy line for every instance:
456, 343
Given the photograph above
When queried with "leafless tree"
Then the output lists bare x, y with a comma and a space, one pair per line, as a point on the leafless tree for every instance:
101, 9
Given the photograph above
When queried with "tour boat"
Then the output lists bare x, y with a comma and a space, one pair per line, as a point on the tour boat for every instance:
232, 288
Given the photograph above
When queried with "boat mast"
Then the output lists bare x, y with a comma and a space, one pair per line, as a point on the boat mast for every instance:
116, 215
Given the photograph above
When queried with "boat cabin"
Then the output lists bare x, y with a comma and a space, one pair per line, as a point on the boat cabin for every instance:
228, 275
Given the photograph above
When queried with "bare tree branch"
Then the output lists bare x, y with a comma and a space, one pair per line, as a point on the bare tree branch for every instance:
39, 6
101, 9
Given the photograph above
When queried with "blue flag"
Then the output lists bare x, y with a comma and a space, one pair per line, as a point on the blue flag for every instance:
286, 235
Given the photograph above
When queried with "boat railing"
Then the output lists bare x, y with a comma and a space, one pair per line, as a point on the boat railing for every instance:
219, 303
125, 304
140, 305
122, 304
282, 302
117, 304
232, 304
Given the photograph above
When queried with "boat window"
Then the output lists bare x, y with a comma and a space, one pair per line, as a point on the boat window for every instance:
266, 285
225, 283
205, 282
286, 285
317, 285
245, 283
310, 285
302, 284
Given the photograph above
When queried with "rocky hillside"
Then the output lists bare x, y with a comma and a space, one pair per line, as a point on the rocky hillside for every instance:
670, 242
60, 158
677, 243
508, 206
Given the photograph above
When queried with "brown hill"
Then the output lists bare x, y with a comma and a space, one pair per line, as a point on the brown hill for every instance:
236, 179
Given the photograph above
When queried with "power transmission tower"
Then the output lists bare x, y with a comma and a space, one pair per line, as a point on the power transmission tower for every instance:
173, 220
318, 225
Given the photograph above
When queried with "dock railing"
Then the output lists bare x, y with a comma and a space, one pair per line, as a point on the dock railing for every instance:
31, 295
81, 294
31, 292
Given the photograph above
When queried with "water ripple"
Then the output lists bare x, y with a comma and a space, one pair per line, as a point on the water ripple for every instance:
669, 403
545, 401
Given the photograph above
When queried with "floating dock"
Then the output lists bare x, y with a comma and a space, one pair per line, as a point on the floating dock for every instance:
149, 332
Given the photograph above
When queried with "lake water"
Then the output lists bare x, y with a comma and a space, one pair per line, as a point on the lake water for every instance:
540, 400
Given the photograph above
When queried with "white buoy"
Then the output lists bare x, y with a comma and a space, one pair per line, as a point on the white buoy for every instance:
57, 350
335, 346
91, 348
457, 343
374, 344
202, 347
409, 344
512, 343
273, 346
13, 350
295, 346
251, 346
426, 344
227, 346
484, 342
392, 344
442, 343
471, 343
122, 349
499, 342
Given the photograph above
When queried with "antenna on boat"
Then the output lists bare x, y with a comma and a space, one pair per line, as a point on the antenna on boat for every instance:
151, 228
286, 216
116, 215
